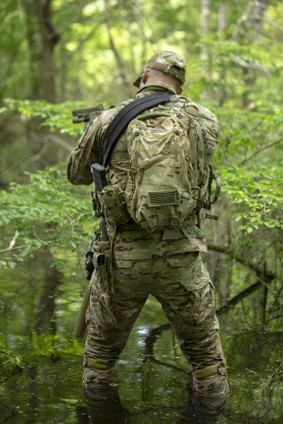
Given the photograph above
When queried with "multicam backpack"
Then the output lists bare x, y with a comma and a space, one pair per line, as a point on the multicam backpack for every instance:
169, 178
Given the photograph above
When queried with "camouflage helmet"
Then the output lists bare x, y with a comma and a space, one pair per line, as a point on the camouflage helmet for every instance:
167, 62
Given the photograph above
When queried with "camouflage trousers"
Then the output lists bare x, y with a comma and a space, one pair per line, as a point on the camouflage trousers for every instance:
182, 286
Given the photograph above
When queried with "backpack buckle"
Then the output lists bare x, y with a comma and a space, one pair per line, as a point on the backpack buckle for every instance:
196, 192
204, 215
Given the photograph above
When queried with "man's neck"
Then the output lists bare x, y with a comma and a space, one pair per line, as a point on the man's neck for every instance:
157, 86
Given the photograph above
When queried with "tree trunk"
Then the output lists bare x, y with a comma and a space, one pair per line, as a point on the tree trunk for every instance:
46, 317
222, 25
49, 37
120, 63
227, 283
33, 50
222, 17
258, 12
62, 75
77, 84
144, 40
255, 25
252, 19
129, 19
205, 16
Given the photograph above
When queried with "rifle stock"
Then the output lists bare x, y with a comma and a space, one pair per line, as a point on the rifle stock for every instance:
100, 181
80, 326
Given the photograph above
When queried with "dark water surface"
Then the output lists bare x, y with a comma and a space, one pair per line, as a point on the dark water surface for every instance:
155, 384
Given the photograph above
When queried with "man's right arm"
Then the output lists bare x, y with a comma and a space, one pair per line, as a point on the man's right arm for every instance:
85, 154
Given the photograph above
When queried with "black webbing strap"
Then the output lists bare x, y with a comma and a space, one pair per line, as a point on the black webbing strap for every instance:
124, 117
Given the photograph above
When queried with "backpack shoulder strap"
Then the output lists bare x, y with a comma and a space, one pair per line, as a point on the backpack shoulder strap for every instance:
124, 117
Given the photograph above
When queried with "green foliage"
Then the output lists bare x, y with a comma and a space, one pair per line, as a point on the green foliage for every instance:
10, 363
265, 404
248, 160
259, 196
255, 374
47, 213
52, 346
57, 117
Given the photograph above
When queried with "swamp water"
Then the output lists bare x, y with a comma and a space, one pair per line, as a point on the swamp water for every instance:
154, 381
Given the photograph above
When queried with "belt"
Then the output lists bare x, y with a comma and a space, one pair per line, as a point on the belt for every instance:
130, 226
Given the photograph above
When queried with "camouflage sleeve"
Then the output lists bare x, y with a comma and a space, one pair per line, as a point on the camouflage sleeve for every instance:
85, 154
209, 126
87, 151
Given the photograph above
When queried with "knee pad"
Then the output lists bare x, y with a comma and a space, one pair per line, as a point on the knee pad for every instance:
212, 380
99, 364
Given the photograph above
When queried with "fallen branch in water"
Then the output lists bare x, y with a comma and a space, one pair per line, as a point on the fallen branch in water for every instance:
263, 278
238, 298
149, 348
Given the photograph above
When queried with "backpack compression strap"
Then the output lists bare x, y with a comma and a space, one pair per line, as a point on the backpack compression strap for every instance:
124, 117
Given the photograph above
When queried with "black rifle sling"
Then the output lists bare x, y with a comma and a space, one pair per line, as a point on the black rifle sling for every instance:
124, 117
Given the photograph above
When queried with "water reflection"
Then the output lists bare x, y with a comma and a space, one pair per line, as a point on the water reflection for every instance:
155, 381
107, 410
203, 411
110, 410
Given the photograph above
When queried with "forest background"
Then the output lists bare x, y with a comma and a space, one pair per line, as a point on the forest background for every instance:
58, 55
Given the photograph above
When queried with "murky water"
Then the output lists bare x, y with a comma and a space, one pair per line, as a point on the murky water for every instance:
154, 381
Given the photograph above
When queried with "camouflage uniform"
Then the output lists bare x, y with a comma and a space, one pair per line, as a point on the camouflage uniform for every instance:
166, 264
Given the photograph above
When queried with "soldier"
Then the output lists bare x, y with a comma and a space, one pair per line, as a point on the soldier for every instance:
163, 262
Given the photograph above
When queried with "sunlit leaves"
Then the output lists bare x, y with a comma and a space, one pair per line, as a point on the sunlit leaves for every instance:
9, 363
57, 117
50, 345
259, 196
48, 213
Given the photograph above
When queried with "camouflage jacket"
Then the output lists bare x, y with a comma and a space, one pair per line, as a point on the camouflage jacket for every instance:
131, 241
